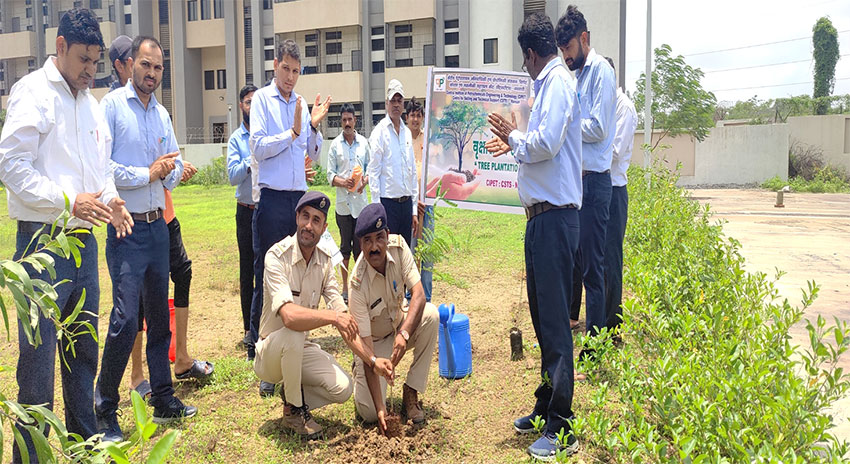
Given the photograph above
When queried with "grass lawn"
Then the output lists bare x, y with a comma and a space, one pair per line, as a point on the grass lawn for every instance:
469, 420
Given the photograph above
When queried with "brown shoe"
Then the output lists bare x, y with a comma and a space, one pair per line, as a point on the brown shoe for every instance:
412, 406
301, 421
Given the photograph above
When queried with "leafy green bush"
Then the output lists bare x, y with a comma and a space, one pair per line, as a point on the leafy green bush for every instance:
212, 174
708, 372
321, 175
827, 180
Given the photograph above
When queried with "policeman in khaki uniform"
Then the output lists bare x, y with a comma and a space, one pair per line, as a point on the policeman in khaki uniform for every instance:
297, 274
383, 270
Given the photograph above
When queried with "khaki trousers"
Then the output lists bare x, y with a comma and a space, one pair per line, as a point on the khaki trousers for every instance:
287, 356
422, 342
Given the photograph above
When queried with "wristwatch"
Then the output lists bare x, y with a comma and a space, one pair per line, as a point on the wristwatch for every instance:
405, 335
374, 361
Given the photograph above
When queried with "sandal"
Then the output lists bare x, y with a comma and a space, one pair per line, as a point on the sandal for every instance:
143, 389
199, 370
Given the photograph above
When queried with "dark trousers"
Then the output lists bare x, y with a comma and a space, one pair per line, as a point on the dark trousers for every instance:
348, 243
36, 366
274, 220
593, 220
138, 265
619, 211
551, 239
245, 242
399, 217
179, 267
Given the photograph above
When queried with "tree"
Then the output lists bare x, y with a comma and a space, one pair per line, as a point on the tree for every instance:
825, 54
460, 121
679, 103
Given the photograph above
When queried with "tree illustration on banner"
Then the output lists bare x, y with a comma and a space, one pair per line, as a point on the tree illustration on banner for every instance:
460, 121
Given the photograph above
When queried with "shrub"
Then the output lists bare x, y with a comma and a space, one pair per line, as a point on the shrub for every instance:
321, 176
827, 180
708, 372
214, 173
804, 160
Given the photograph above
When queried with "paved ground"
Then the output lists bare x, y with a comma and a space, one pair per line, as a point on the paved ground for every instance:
809, 239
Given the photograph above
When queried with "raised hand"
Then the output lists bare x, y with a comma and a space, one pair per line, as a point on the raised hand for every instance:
501, 127
121, 218
497, 147
189, 170
162, 166
296, 120
319, 110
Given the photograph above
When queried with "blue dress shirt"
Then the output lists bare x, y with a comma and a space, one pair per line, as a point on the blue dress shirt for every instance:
239, 164
280, 159
597, 94
139, 136
549, 153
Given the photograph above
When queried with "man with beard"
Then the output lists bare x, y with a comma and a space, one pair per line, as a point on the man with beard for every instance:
145, 159
378, 282
598, 90
55, 148
549, 156
297, 274
349, 151
239, 173
283, 134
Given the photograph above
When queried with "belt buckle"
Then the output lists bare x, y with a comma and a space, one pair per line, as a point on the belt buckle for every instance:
148, 216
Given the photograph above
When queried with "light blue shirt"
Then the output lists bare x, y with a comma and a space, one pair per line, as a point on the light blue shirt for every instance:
139, 137
597, 93
342, 158
392, 168
239, 164
549, 153
280, 159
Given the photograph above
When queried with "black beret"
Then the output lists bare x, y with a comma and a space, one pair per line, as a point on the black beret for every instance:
372, 219
317, 200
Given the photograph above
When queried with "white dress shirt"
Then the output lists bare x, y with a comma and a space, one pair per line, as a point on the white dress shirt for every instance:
342, 159
53, 145
624, 138
392, 167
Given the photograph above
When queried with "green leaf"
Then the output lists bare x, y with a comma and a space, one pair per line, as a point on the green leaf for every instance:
19, 273
140, 414
22, 446
163, 447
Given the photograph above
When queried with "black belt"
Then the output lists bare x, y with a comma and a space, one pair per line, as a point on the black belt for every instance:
245, 205
148, 217
542, 207
31, 227
399, 199
584, 173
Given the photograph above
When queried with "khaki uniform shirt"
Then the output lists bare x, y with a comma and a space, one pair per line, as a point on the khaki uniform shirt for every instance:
376, 300
288, 278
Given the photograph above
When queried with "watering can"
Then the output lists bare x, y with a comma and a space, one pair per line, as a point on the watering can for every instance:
455, 353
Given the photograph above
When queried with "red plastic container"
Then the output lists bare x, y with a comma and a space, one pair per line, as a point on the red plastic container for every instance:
172, 349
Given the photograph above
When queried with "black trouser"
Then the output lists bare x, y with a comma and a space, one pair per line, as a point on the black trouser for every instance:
179, 267
348, 243
245, 242
400, 217
618, 211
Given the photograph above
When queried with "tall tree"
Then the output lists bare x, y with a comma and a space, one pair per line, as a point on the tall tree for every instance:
825, 44
460, 121
679, 103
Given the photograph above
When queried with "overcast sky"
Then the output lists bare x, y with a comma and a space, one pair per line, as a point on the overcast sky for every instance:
694, 27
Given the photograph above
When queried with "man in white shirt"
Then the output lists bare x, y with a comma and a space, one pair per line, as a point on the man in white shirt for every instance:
618, 210
349, 150
392, 169
55, 148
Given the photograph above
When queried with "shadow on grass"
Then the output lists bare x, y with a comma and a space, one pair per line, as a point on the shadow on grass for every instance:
286, 439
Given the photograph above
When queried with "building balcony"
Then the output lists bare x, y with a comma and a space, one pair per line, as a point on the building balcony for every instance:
205, 33
18, 45
341, 86
407, 10
300, 15
414, 79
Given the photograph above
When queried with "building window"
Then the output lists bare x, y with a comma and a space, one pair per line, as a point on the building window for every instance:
333, 35
405, 63
100, 67
267, 4
452, 38
404, 41
331, 68
78, 3
311, 51
221, 77
333, 48
28, 2
205, 9
491, 51
192, 10
128, 18
377, 67
218, 9
377, 45
309, 70
404, 28
451, 24
268, 54
95, 4
112, 13
376, 118
209, 80
268, 41
378, 106
378, 30
219, 131
268, 77
453, 61
128, 2
247, 28
249, 78
311, 38
29, 12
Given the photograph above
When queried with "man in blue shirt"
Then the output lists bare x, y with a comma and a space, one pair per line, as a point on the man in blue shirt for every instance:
549, 182
283, 134
145, 159
239, 173
597, 92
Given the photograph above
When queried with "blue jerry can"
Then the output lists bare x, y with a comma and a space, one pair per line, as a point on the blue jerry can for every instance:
455, 353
